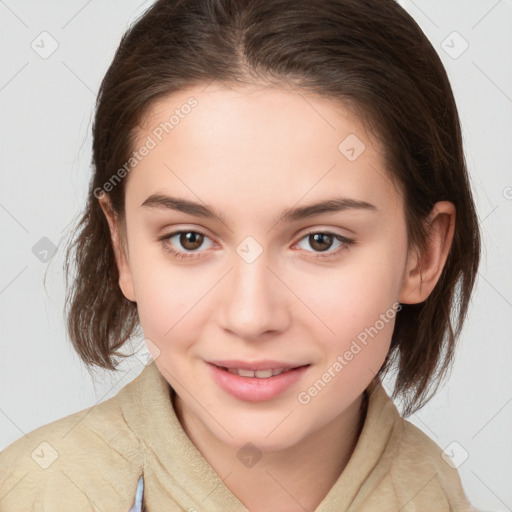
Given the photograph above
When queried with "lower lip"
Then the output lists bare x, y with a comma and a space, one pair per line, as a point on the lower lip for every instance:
253, 389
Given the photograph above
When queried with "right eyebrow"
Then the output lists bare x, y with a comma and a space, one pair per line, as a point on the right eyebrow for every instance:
182, 205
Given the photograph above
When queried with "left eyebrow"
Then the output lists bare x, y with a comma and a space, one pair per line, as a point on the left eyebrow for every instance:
335, 204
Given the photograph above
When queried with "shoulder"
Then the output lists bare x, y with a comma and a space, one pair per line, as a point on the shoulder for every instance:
421, 470
51, 467
408, 467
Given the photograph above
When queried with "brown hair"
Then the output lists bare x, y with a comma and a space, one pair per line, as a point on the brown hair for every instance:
367, 53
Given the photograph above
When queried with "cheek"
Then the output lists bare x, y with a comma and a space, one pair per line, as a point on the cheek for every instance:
358, 311
352, 310
169, 298
356, 293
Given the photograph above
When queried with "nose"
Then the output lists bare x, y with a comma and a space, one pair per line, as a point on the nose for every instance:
254, 301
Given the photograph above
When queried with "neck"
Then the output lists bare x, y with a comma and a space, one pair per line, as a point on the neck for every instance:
294, 479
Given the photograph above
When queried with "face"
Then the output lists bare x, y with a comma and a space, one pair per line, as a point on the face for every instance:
232, 267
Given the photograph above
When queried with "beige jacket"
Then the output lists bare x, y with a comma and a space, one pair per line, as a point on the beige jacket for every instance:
92, 460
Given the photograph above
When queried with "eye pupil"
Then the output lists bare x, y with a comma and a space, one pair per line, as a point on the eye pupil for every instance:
191, 240
324, 240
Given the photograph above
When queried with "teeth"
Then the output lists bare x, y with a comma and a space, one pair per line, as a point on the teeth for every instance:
245, 373
260, 374
263, 374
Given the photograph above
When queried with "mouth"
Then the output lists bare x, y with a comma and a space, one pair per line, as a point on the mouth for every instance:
259, 374
256, 382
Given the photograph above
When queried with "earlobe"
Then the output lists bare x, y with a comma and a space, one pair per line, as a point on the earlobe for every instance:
424, 266
122, 261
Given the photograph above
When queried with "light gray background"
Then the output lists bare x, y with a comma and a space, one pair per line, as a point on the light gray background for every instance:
46, 107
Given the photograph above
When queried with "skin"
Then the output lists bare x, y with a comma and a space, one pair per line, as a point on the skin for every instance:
250, 153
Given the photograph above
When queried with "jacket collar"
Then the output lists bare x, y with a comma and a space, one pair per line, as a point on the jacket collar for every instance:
175, 472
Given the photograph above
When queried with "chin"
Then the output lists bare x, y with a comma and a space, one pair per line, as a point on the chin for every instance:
274, 435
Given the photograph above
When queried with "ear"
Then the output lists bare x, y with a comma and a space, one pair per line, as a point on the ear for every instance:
122, 261
424, 268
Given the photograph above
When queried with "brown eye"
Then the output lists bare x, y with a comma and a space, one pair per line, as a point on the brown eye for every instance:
191, 240
322, 244
185, 244
320, 241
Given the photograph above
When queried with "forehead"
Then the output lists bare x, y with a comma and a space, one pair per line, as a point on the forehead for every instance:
256, 146
255, 111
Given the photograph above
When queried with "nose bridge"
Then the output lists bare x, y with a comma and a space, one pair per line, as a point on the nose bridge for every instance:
253, 301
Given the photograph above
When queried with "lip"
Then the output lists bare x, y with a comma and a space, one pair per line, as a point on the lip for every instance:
253, 389
256, 365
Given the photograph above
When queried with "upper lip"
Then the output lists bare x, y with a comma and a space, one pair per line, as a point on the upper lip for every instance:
255, 365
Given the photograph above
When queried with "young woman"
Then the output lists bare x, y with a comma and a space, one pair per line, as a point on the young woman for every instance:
280, 202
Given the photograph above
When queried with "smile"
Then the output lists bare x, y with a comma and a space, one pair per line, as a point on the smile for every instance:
259, 374
255, 384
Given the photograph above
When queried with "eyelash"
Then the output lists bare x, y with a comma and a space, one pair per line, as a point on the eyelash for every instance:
347, 242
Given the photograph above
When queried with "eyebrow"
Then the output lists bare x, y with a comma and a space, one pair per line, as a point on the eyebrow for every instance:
335, 204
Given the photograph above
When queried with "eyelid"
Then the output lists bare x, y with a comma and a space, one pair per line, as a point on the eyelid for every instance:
323, 229
174, 229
